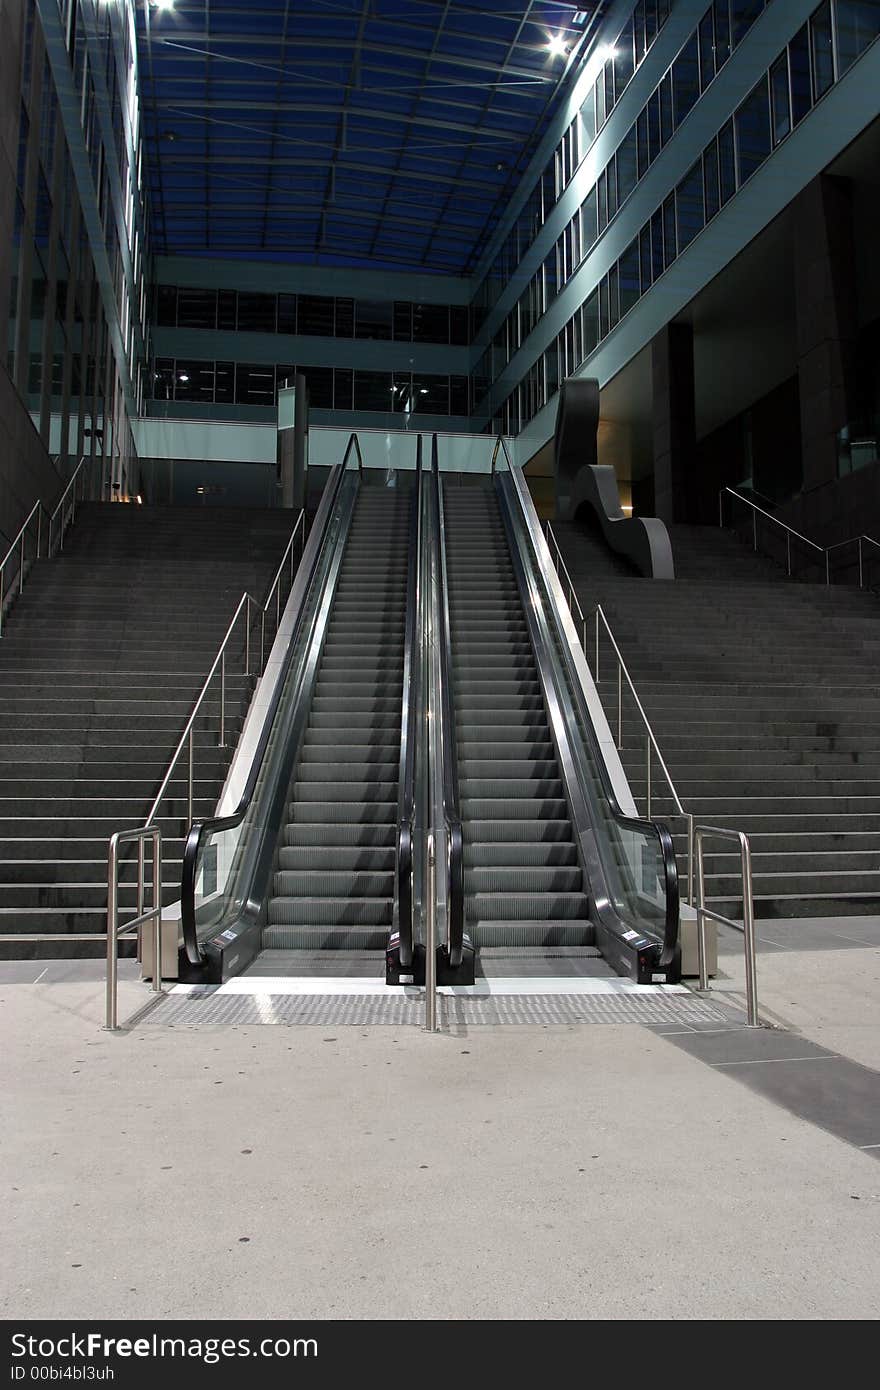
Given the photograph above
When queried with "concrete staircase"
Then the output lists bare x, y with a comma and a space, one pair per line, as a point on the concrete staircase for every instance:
101, 661
762, 693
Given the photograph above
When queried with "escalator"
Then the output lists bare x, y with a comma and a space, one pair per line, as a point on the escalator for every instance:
310, 870
426, 703
523, 881
554, 873
334, 884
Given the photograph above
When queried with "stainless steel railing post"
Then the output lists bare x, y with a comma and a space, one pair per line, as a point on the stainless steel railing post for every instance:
861, 577
247, 636
690, 855
702, 945
704, 914
749, 934
597, 646
431, 940
619, 706
189, 779
157, 906
648, 761
112, 919
223, 700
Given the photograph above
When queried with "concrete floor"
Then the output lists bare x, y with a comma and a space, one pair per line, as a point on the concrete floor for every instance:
561, 1172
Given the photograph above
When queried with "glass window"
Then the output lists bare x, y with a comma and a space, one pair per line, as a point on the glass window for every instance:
431, 395
613, 298
372, 391
603, 306
721, 13
779, 103
822, 50
858, 24
194, 381
611, 186
650, 22
627, 165
588, 220
196, 308
224, 383
628, 269
655, 144
624, 65
459, 325
315, 315
166, 306
645, 257
287, 313
343, 385
669, 245
711, 191
599, 90
343, 316
707, 49
639, 28
226, 310
657, 266
256, 313
163, 380
602, 205
373, 319
609, 87
799, 65
254, 385
320, 383
551, 360
726, 162
743, 14
644, 146
458, 396
665, 92
430, 323
686, 80
588, 122
752, 122
689, 205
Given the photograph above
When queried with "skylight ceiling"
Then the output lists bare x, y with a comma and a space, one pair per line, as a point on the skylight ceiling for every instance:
369, 133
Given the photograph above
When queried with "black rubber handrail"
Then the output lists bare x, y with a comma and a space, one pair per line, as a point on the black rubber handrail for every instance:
409, 730
655, 829
451, 808
200, 829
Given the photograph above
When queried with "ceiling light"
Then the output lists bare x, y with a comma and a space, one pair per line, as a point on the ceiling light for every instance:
162, 4
607, 51
557, 46
183, 377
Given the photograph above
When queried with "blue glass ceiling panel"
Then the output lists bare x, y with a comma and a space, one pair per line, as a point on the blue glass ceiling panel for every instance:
380, 133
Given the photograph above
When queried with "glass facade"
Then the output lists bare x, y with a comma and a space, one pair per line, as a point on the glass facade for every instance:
814, 59
77, 313
330, 388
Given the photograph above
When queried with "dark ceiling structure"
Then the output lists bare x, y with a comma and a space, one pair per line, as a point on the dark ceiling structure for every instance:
382, 134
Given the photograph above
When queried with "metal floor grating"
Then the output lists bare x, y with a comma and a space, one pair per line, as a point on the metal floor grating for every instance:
394, 1010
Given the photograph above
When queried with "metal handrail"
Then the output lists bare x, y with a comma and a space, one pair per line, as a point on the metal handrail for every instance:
409, 731
824, 550
215, 824
444, 728
114, 931
701, 833
623, 673
275, 586
769, 515
536, 617
19, 545
60, 510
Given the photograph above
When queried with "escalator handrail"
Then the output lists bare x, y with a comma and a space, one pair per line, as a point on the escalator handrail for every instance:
621, 817
451, 805
409, 723
216, 824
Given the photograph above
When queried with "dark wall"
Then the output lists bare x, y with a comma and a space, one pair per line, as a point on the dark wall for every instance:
26, 470
763, 443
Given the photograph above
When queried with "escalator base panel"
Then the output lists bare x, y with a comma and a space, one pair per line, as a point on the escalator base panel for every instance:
679, 1010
